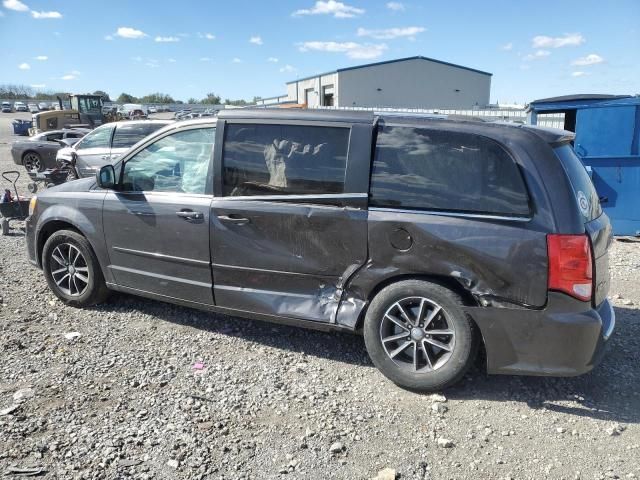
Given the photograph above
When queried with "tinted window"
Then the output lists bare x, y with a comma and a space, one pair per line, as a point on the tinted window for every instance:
98, 138
583, 189
130, 134
176, 163
284, 159
418, 168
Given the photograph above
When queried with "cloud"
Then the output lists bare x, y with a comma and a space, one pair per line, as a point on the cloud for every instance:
171, 60
42, 58
507, 46
205, 59
75, 72
272, 60
330, 7
390, 33
257, 40
567, 40
395, 6
68, 77
236, 60
108, 37
128, 32
579, 74
209, 36
35, 14
24, 66
166, 39
152, 63
591, 59
537, 55
288, 69
16, 5
38, 85
352, 49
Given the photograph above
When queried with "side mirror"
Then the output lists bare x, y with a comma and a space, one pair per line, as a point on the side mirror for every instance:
106, 177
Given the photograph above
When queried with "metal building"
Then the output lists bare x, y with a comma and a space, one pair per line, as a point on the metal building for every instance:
414, 82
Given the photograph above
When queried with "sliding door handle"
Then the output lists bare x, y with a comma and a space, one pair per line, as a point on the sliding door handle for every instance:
235, 219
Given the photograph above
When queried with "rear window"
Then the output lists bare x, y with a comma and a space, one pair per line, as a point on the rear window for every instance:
422, 169
130, 134
583, 188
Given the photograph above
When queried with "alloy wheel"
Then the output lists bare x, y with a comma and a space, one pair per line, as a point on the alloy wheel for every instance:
69, 270
417, 334
31, 162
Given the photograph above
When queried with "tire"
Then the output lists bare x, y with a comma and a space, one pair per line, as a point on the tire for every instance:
32, 161
435, 368
72, 270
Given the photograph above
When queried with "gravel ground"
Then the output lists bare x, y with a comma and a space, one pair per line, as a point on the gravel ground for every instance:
149, 390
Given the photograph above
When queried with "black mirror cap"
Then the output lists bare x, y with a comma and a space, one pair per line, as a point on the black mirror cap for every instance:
106, 177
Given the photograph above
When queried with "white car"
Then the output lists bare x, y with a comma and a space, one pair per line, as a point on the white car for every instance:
20, 107
152, 109
33, 108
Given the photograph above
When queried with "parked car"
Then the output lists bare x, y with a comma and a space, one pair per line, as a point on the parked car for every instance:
33, 108
43, 106
6, 107
430, 236
20, 107
107, 142
152, 109
39, 151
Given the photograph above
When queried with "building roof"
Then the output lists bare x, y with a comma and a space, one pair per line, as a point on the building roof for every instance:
375, 64
572, 102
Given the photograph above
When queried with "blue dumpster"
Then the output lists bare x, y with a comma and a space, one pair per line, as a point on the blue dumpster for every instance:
21, 127
607, 129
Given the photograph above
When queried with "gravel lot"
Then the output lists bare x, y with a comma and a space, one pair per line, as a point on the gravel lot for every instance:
126, 398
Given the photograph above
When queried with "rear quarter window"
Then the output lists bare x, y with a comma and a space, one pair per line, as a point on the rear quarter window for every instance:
585, 193
423, 169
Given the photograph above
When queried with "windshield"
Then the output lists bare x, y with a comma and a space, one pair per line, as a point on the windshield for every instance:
583, 188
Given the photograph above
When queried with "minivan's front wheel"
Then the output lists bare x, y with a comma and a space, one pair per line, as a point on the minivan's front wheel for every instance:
72, 269
418, 335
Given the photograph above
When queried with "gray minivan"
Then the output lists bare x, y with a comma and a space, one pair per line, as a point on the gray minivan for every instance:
430, 236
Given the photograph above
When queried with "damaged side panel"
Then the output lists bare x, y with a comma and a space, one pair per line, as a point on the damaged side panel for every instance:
287, 257
500, 263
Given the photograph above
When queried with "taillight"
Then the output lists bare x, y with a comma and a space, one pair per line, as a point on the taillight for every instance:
570, 266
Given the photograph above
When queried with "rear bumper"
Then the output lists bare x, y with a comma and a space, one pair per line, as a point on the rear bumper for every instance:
566, 338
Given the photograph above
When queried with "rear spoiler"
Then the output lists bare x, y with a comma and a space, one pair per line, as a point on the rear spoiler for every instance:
553, 136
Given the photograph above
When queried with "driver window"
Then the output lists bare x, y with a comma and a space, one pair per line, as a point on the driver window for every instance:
99, 138
176, 163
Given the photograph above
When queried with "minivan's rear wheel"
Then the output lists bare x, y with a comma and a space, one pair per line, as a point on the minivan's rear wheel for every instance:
72, 269
32, 162
419, 337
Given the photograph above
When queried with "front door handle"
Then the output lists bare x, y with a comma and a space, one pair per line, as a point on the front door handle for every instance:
237, 219
105, 157
190, 215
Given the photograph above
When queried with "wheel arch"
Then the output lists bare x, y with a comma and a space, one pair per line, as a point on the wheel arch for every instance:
447, 282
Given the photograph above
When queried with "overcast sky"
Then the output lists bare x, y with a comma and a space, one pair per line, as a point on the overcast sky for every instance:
243, 48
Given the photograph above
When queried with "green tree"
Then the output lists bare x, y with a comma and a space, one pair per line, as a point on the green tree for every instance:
127, 98
193, 100
157, 98
211, 99
103, 94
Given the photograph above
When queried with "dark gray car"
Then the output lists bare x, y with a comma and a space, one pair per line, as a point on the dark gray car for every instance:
39, 151
430, 236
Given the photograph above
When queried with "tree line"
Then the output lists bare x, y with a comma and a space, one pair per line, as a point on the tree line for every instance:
25, 92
